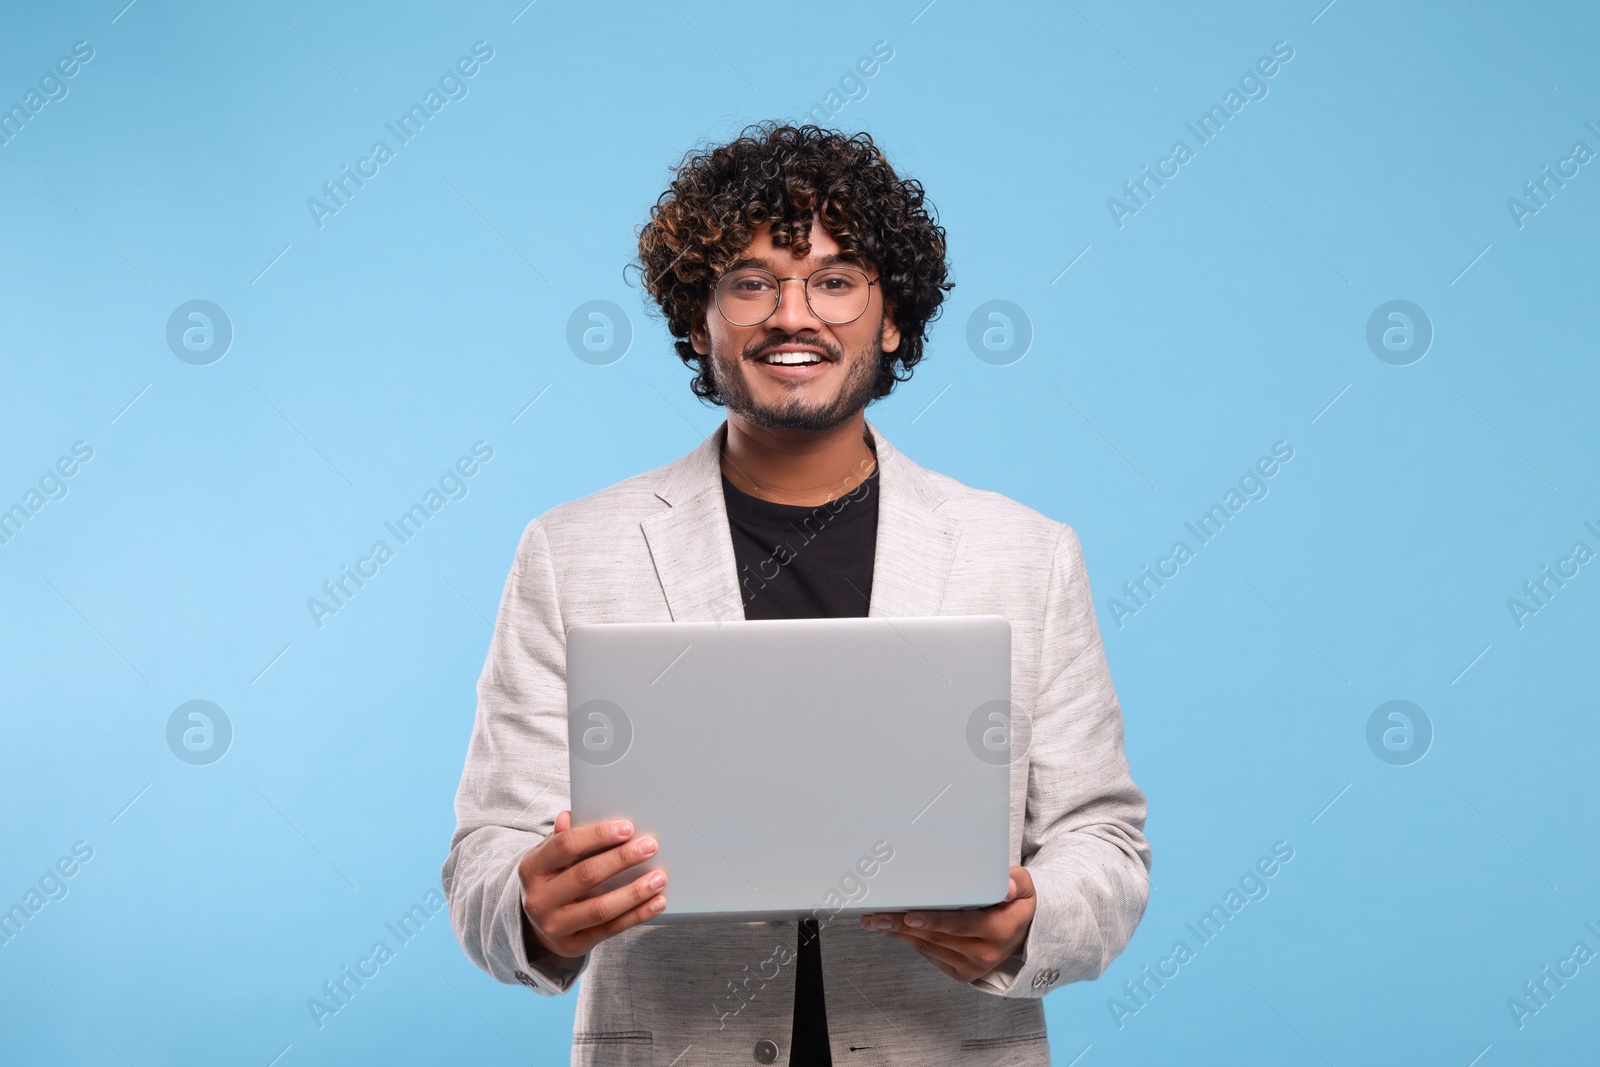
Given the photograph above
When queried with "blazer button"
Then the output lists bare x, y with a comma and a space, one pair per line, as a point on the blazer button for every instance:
766, 1051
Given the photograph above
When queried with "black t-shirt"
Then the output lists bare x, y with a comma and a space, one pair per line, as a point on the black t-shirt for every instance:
797, 562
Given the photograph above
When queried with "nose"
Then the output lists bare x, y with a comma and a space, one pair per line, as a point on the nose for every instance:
794, 314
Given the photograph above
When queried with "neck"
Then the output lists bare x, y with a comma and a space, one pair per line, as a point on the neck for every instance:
799, 467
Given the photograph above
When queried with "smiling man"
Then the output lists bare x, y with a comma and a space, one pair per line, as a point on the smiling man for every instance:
798, 274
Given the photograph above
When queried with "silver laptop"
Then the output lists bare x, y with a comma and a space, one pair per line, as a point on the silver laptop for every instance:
800, 767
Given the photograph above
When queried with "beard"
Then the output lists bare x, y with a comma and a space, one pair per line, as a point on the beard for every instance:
795, 412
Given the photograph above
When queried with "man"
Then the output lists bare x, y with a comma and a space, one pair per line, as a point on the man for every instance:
798, 274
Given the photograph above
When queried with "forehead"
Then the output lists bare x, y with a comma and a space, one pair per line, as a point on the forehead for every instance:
824, 251
823, 242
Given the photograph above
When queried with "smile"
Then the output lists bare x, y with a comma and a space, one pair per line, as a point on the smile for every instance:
799, 356
792, 359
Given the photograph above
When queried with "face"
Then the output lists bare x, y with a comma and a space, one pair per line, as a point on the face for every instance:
806, 397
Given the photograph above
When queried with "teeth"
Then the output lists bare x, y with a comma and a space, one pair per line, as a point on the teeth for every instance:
792, 358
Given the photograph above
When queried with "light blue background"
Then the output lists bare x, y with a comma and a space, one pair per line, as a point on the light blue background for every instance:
1226, 315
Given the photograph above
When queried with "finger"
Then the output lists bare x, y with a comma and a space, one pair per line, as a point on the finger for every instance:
565, 847
971, 947
1023, 882
951, 962
598, 916
586, 939
978, 922
563, 822
576, 881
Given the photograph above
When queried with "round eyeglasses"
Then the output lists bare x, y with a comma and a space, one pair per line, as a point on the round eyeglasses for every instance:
836, 295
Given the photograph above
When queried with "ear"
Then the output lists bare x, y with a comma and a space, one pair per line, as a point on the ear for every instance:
698, 337
891, 330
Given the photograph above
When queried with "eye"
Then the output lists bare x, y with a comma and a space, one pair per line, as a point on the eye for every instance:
746, 284
837, 283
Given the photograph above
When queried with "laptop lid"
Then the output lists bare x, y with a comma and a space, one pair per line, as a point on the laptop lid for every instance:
799, 767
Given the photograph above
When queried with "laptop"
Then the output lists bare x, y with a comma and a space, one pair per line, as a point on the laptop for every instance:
797, 768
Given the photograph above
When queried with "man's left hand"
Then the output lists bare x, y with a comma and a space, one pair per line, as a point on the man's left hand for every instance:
966, 945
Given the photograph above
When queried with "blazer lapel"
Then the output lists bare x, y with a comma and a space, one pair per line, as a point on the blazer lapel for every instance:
693, 550
916, 545
690, 543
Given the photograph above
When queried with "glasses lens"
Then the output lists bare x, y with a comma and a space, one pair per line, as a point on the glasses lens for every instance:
746, 297
838, 294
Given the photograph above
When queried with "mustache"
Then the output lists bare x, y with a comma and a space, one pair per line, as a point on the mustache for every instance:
760, 348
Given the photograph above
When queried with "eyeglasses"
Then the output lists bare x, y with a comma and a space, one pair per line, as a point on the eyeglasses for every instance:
836, 295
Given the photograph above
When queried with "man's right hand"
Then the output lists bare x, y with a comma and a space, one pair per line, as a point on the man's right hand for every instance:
558, 873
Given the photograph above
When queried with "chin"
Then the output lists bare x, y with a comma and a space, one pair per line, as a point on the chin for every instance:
795, 413
812, 419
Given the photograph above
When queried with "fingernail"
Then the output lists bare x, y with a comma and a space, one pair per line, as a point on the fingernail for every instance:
657, 880
883, 922
647, 846
658, 904
916, 922
622, 828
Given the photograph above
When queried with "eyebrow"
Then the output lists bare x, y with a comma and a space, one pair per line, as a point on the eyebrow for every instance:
836, 259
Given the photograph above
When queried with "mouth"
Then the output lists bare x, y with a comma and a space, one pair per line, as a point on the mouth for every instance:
793, 362
793, 356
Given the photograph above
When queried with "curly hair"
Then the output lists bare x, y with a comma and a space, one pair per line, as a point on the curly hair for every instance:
785, 175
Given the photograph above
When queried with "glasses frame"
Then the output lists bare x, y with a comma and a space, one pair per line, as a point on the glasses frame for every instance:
805, 280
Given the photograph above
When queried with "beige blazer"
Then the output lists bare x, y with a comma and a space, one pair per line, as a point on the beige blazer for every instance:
656, 548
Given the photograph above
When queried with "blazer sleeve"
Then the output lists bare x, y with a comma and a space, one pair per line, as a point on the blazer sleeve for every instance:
515, 780
1083, 839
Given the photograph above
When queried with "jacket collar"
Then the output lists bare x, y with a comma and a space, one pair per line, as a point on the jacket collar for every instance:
692, 548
